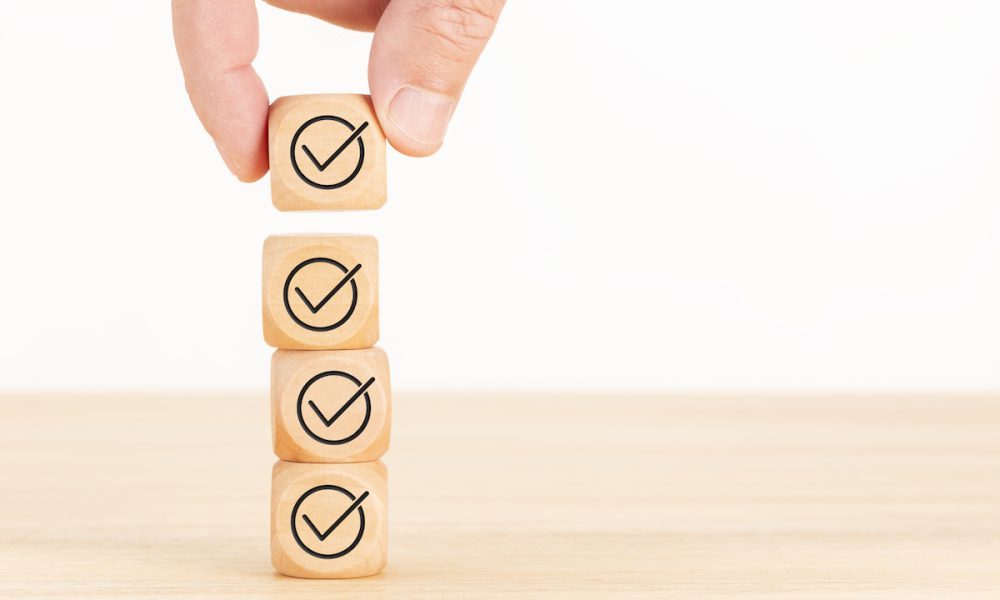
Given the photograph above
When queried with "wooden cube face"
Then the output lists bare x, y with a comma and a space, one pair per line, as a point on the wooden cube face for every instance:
330, 407
320, 291
327, 152
329, 521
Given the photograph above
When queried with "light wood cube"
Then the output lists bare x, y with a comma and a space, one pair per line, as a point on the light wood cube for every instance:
320, 291
330, 406
329, 521
327, 152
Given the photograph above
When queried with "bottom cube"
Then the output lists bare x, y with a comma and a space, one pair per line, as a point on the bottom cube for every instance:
329, 520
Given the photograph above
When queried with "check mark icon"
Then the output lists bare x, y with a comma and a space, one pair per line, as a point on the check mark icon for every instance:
322, 166
343, 409
340, 519
319, 306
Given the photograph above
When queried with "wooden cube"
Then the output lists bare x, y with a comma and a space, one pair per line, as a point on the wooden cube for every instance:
320, 291
330, 406
329, 521
327, 152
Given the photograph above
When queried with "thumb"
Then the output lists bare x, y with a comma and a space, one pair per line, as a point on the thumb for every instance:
422, 55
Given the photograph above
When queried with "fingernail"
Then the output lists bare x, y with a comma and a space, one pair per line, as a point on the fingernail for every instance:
234, 167
423, 116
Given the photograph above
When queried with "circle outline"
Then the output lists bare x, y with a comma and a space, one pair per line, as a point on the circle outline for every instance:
315, 436
295, 530
295, 161
288, 283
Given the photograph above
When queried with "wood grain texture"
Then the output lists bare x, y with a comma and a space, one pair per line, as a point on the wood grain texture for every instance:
330, 406
328, 520
320, 292
326, 152
523, 496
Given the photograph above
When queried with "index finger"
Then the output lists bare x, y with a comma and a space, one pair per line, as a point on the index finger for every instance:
217, 41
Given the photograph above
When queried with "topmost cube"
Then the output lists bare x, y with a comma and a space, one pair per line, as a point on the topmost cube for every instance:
327, 152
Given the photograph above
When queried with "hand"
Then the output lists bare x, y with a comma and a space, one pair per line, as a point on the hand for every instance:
422, 54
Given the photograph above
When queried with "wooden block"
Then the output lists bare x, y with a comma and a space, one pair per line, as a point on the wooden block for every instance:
327, 152
331, 406
320, 291
329, 521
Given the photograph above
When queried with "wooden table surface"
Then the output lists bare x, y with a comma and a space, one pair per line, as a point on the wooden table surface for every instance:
520, 496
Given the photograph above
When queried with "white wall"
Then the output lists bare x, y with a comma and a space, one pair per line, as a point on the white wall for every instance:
684, 195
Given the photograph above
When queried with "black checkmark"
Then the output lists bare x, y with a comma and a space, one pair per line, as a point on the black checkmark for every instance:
326, 534
328, 297
322, 166
336, 415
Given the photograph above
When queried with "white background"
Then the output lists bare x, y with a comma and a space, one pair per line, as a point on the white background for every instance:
697, 195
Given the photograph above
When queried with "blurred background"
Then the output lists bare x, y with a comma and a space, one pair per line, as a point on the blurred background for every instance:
676, 196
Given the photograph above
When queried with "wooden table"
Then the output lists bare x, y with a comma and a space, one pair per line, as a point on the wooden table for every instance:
520, 496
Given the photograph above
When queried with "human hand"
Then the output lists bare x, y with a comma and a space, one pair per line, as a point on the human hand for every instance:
422, 54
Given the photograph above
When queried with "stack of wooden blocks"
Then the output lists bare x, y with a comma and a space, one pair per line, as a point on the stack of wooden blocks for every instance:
330, 395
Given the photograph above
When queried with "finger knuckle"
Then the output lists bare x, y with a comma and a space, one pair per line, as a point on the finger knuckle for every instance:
464, 25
